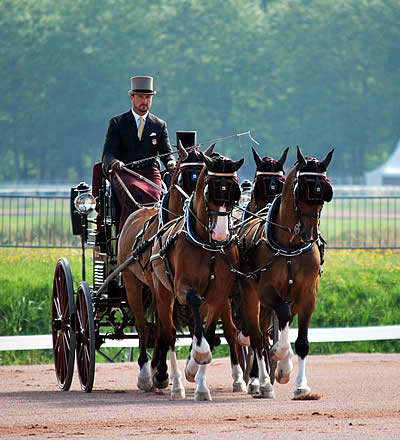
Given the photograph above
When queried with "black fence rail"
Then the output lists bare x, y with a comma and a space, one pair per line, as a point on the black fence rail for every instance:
346, 223
36, 221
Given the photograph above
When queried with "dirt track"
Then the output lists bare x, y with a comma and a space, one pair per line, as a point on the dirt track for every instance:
360, 399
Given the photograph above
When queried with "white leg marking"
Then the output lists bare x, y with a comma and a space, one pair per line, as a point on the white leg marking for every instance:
280, 350
201, 353
266, 389
178, 390
253, 386
239, 385
202, 392
302, 388
284, 368
145, 381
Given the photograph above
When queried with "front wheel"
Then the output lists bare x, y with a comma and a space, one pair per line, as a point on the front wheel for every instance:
85, 337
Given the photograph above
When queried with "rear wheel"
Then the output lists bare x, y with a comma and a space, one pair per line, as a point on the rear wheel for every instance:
85, 337
63, 324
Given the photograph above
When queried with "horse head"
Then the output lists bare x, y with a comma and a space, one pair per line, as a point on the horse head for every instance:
268, 180
311, 190
189, 167
221, 193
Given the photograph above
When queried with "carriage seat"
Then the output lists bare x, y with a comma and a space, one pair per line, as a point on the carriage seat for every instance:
99, 177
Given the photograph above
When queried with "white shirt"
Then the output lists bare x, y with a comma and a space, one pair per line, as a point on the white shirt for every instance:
139, 116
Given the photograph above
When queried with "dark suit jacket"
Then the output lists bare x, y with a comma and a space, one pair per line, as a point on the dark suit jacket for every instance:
122, 142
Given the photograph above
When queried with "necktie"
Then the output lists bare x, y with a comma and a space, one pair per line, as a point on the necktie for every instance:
140, 129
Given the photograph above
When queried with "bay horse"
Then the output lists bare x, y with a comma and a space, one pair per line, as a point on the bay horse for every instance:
191, 261
267, 183
282, 255
136, 238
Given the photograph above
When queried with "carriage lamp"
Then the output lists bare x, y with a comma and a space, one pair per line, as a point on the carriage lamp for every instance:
85, 203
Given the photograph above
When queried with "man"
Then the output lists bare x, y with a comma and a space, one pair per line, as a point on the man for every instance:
134, 139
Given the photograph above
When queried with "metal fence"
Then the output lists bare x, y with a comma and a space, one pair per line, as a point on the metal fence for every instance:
346, 223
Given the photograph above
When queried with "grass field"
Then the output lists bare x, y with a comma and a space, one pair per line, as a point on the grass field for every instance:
358, 288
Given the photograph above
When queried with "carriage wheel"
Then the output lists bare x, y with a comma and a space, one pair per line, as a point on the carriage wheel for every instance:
85, 337
63, 324
272, 338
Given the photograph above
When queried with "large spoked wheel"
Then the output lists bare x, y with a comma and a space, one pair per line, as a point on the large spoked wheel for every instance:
272, 338
85, 337
63, 324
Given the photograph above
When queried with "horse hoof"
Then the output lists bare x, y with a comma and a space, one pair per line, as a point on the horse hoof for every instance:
243, 340
302, 391
202, 395
160, 384
282, 377
145, 383
189, 376
202, 358
279, 353
254, 388
239, 386
266, 392
178, 394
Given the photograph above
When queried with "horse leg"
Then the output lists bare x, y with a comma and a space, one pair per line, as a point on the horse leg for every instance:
134, 288
200, 352
254, 382
166, 336
302, 348
230, 333
178, 390
284, 368
281, 349
266, 388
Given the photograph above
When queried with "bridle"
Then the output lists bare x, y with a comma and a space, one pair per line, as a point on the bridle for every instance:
309, 186
222, 189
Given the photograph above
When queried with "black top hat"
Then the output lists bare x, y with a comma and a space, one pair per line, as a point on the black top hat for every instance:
188, 138
142, 85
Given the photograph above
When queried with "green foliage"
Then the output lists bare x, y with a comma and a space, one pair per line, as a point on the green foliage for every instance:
316, 73
357, 288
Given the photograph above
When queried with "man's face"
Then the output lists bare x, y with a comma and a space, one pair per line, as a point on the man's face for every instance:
141, 103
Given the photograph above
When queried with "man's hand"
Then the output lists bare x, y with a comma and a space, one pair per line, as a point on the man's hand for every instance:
171, 165
116, 165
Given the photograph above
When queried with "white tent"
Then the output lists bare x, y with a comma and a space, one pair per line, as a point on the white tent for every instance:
388, 173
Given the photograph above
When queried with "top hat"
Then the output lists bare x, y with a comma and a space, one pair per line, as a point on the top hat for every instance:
188, 138
142, 85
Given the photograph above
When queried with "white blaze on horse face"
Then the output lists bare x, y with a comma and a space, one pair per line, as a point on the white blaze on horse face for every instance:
220, 231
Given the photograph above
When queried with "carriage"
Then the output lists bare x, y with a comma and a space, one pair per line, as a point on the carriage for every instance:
84, 319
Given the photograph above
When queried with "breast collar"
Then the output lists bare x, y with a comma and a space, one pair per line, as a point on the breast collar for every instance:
188, 229
284, 251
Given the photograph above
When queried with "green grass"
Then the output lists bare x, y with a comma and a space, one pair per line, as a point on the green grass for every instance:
358, 288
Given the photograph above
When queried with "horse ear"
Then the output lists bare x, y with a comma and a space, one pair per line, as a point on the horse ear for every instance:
328, 159
300, 158
282, 159
208, 161
183, 154
257, 158
210, 150
238, 164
